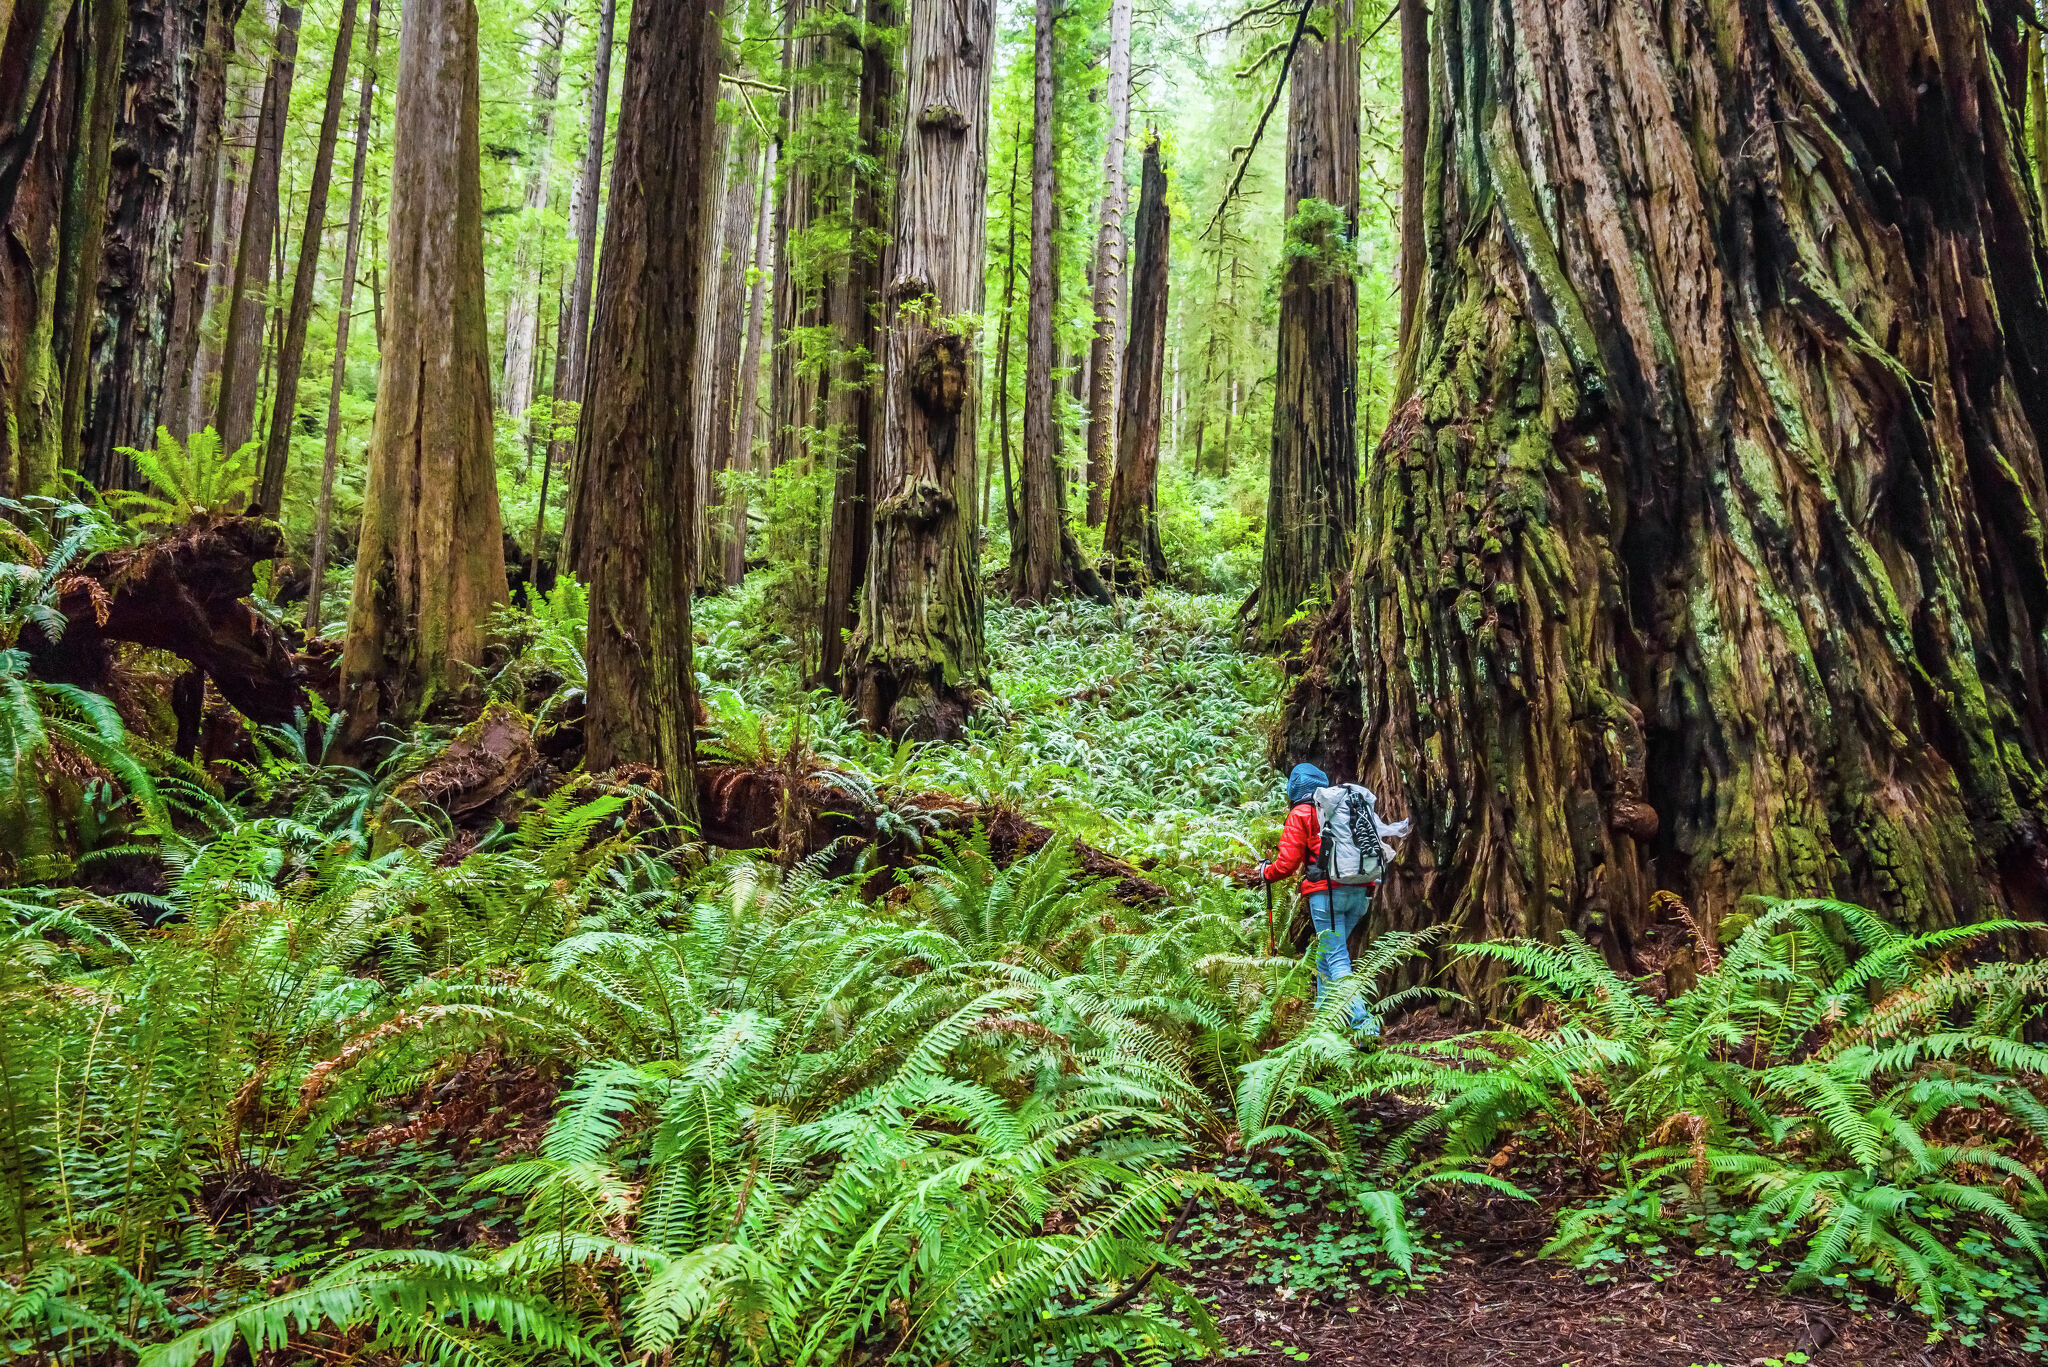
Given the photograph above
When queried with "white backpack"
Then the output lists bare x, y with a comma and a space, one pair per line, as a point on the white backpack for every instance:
1354, 849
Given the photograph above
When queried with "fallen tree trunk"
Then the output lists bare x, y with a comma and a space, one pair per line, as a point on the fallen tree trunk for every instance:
187, 594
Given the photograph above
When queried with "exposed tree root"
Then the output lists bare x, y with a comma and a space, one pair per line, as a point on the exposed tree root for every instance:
185, 594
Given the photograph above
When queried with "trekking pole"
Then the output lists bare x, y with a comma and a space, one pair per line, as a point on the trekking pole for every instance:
1269, 917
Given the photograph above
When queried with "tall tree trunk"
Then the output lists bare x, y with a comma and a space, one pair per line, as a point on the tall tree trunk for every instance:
154, 180
242, 344
728, 349
1709, 552
917, 663
430, 563
572, 329
244, 101
1103, 384
1130, 533
1312, 498
196, 232
852, 410
277, 448
1414, 184
750, 371
522, 314
351, 255
1035, 560
571, 381
81, 256
636, 446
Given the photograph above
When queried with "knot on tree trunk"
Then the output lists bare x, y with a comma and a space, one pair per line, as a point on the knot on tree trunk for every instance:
938, 377
922, 505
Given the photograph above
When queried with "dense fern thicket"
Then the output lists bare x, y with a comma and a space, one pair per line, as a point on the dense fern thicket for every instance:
345, 1081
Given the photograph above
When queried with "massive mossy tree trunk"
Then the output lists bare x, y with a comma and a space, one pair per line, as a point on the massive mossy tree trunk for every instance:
637, 442
430, 563
1312, 499
1130, 531
1708, 554
291, 354
241, 370
1103, 389
61, 65
917, 662
168, 112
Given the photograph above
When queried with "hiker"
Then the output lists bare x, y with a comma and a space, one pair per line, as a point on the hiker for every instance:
1335, 837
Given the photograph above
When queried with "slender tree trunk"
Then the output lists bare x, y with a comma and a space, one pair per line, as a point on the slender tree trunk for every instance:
291, 354
1035, 559
1109, 267
1001, 406
338, 378
750, 371
1312, 499
196, 233
430, 564
852, 410
1130, 533
1414, 182
637, 445
81, 256
917, 665
522, 315
718, 356
230, 184
242, 343
1709, 552
164, 96
572, 382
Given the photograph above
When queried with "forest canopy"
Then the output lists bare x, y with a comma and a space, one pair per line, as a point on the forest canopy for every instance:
992, 681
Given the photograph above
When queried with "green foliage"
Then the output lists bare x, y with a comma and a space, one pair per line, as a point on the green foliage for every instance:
197, 479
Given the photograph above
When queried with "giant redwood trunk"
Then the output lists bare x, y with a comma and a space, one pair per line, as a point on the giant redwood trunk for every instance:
430, 563
161, 133
1130, 530
637, 443
1708, 554
917, 662
1311, 501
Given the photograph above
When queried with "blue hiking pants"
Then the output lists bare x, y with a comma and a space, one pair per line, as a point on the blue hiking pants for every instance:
1333, 914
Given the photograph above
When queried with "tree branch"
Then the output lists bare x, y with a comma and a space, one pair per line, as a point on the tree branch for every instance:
1293, 45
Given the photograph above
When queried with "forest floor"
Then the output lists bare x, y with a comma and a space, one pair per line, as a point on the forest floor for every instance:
1142, 729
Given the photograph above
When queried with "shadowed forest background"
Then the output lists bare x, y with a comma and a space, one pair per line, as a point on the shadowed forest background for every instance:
647, 651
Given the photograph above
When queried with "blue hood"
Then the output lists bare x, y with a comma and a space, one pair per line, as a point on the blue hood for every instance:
1303, 782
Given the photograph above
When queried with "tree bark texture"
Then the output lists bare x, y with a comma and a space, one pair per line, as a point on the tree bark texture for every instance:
573, 347
522, 314
735, 568
430, 561
242, 343
637, 442
351, 255
244, 100
1103, 386
1035, 561
1130, 531
1708, 554
155, 181
917, 661
721, 352
850, 411
1312, 496
291, 354
1414, 183
196, 232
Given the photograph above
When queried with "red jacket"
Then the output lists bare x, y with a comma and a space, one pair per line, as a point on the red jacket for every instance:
1301, 843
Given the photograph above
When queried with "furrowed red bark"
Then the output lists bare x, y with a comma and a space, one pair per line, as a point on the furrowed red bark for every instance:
1311, 504
156, 133
242, 343
277, 448
430, 563
350, 258
1130, 531
1708, 554
1103, 378
916, 666
637, 443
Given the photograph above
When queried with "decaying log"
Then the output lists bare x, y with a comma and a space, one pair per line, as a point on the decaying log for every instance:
186, 593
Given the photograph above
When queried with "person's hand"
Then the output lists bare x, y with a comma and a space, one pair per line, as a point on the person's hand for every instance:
1259, 874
